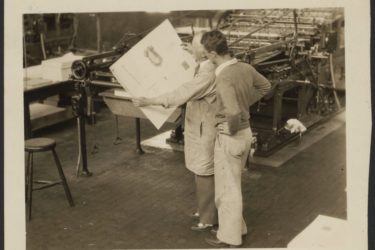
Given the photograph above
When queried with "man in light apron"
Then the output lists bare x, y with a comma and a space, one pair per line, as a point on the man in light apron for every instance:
200, 132
238, 86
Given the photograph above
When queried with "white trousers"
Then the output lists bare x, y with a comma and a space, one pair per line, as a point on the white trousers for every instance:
230, 158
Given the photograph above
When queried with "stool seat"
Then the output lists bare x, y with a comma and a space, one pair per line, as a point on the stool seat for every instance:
35, 145
39, 144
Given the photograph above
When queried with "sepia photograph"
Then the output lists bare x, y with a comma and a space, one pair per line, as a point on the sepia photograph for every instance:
177, 127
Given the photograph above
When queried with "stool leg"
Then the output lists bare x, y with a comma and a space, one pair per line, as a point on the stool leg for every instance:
29, 194
62, 177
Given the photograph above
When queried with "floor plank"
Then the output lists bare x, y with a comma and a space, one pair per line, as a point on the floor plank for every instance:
135, 201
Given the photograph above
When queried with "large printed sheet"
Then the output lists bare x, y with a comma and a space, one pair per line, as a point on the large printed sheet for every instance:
156, 65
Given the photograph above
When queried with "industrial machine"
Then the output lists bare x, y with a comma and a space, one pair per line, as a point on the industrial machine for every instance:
46, 36
91, 76
300, 51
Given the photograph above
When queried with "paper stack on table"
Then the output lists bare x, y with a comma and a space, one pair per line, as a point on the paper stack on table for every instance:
154, 66
58, 69
30, 83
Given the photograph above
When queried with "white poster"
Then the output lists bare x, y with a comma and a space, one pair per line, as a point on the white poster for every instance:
154, 66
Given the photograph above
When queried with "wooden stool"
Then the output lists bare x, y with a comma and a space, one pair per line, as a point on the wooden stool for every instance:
42, 145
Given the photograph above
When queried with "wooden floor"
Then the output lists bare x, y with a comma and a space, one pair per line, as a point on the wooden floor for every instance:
135, 201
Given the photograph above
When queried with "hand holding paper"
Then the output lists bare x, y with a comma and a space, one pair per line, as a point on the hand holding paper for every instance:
142, 101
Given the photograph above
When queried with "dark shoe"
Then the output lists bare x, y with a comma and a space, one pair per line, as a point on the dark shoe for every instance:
219, 244
200, 227
194, 216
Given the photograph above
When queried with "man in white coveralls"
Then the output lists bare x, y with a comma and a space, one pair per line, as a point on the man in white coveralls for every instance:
200, 132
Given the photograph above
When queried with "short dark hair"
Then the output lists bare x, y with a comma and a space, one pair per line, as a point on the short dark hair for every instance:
215, 41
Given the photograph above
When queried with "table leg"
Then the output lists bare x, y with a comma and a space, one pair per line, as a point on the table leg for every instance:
82, 135
139, 149
78, 111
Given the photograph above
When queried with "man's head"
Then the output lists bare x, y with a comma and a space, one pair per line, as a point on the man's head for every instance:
215, 45
197, 47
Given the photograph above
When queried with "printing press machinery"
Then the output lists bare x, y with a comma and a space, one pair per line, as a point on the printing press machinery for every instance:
300, 51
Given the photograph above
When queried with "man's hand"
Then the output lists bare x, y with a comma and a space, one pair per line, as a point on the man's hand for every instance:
141, 101
223, 128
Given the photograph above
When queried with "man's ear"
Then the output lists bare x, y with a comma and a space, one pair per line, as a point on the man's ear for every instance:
213, 53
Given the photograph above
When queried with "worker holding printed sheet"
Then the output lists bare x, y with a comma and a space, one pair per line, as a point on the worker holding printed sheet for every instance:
199, 134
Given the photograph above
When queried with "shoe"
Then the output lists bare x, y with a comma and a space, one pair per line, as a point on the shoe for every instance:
219, 244
214, 230
200, 227
194, 215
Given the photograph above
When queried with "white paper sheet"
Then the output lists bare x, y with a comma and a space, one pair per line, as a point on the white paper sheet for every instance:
154, 66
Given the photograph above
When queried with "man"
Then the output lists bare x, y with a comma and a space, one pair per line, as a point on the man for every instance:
200, 132
238, 86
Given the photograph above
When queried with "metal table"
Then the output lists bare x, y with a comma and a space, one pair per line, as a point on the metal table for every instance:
41, 92
123, 106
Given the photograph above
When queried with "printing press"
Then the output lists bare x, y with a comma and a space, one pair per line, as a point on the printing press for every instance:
300, 51
91, 76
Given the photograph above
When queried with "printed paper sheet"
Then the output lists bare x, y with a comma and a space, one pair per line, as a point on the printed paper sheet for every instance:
154, 66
